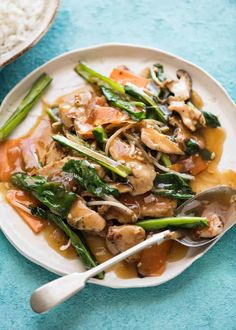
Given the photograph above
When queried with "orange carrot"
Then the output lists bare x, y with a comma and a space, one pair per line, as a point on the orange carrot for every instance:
15, 197
193, 165
124, 76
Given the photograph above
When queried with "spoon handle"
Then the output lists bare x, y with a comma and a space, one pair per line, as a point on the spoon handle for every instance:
61, 289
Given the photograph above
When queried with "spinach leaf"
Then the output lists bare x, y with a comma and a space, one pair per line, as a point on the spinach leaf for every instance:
51, 194
116, 101
171, 185
211, 120
88, 179
191, 147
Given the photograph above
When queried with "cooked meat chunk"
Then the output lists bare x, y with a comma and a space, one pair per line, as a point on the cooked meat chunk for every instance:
143, 173
182, 87
83, 218
191, 116
54, 153
158, 141
121, 238
215, 226
147, 205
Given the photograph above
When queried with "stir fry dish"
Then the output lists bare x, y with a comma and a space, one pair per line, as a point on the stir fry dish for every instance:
111, 161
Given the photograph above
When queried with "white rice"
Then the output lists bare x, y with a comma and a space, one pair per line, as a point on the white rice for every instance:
18, 18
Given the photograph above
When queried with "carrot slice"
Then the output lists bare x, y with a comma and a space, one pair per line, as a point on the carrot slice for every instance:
193, 165
124, 76
16, 197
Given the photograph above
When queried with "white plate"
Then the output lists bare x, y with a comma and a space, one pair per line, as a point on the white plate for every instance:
35, 35
103, 58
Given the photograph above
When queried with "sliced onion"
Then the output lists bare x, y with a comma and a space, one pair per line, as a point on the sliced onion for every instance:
66, 246
21, 206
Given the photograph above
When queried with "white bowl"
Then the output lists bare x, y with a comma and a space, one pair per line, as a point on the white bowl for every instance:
103, 58
34, 36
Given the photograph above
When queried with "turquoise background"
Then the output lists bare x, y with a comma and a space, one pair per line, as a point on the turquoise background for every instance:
204, 297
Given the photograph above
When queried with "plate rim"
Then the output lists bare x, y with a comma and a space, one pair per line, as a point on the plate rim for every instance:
94, 47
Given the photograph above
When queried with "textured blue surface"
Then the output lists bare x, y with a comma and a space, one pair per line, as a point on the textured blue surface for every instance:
204, 296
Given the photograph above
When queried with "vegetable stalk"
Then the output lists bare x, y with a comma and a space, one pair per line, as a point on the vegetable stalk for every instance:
96, 78
99, 158
25, 106
180, 222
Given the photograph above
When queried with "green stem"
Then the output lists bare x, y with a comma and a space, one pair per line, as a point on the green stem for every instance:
96, 78
181, 222
104, 161
25, 105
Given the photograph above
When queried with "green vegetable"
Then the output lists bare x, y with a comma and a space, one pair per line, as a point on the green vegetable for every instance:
171, 185
116, 101
156, 73
211, 120
100, 135
54, 114
51, 194
25, 106
191, 147
88, 179
166, 160
96, 78
76, 238
180, 222
141, 96
99, 158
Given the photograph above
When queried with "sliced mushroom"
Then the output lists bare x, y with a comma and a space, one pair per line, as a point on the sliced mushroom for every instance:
158, 141
121, 238
215, 226
191, 116
182, 87
143, 173
147, 205
83, 218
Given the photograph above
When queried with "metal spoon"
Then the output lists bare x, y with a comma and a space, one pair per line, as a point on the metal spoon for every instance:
59, 290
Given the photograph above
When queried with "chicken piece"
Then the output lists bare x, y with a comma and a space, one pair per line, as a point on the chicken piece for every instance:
191, 116
143, 173
83, 218
158, 141
54, 153
121, 238
215, 226
147, 205
182, 87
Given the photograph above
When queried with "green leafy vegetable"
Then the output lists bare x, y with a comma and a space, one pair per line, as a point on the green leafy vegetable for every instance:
166, 160
211, 120
25, 106
176, 222
76, 238
116, 101
156, 73
141, 96
100, 135
99, 158
191, 147
171, 185
51, 194
88, 179
96, 78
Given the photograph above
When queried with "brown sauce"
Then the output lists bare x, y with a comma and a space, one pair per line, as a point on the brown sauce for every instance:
19, 154
59, 242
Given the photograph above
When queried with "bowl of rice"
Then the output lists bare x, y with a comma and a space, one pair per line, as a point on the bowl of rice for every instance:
22, 24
